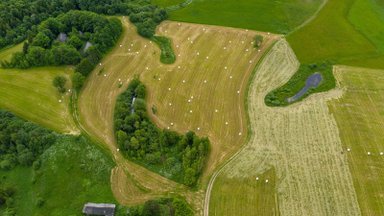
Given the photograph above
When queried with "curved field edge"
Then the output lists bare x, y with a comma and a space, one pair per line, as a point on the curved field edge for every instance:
302, 160
359, 116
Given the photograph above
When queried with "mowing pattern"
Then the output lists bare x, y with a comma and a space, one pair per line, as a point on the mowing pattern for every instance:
211, 71
359, 115
31, 95
300, 142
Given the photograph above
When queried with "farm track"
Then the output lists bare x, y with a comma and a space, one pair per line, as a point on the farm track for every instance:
301, 142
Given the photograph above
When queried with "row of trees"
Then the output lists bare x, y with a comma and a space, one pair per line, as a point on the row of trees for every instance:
162, 207
19, 18
178, 157
21, 142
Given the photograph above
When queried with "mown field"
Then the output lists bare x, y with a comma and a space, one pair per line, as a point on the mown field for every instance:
360, 118
300, 142
262, 15
198, 92
31, 95
346, 31
72, 172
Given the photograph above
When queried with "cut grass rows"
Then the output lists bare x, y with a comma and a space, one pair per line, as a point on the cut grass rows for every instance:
359, 115
301, 143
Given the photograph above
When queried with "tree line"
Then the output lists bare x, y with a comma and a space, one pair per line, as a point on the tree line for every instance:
162, 207
19, 18
178, 157
21, 142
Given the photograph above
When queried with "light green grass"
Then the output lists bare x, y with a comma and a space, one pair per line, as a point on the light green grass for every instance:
73, 172
359, 115
31, 95
261, 15
346, 32
7, 53
244, 196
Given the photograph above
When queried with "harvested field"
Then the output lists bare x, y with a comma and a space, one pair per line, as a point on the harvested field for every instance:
300, 142
222, 57
360, 118
31, 95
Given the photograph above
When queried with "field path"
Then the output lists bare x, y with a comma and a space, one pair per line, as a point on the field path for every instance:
301, 142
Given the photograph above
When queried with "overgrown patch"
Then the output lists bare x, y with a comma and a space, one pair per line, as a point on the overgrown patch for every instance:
178, 157
167, 55
279, 96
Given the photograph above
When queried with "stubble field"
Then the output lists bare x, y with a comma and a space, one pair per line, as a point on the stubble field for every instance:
301, 143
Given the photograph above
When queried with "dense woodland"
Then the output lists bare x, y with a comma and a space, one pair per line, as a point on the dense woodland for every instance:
162, 207
19, 18
178, 157
21, 142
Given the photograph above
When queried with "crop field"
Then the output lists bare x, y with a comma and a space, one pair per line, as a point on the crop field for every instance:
345, 31
300, 143
360, 118
262, 15
31, 95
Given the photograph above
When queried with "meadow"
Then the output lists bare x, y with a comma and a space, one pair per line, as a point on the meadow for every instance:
6, 54
299, 142
346, 32
31, 95
262, 15
72, 172
359, 116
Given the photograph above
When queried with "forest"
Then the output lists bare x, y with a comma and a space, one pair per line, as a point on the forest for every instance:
162, 207
178, 157
21, 142
19, 18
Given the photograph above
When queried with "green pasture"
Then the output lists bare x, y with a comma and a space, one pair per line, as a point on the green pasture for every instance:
6, 54
262, 15
359, 114
345, 31
244, 195
72, 172
31, 95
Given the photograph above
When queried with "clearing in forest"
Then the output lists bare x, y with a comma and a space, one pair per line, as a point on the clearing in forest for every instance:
202, 91
30, 94
360, 118
300, 143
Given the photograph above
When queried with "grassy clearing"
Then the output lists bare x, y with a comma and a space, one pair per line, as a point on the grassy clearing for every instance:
31, 95
7, 53
344, 31
262, 15
300, 142
245, 196
359, 115
72, 172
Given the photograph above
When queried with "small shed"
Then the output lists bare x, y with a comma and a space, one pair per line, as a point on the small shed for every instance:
99, 209
87, 46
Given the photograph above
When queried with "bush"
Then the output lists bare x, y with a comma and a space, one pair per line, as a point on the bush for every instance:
59, 82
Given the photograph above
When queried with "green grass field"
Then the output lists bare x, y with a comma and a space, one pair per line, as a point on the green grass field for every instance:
262, 15
6, 54
244, 196
359, 115
31, 95
345, 31
73, 172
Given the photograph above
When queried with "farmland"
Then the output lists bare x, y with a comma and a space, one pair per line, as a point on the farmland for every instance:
172, 88
262, 15
300, 142
359, 116
31, 95
347, 31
